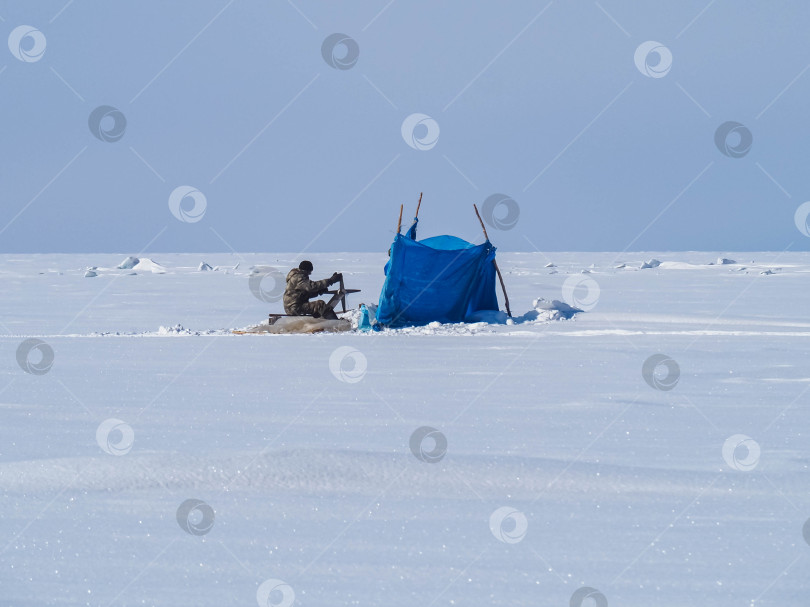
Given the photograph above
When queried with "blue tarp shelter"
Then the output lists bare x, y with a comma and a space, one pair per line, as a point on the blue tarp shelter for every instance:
443, 278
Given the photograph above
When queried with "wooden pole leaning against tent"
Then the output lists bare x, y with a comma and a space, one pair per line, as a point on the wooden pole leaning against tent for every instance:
495, 263
416, 217
399, 223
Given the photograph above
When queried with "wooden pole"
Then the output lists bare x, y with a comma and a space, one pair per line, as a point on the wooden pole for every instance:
399, 223
495, 263
483, 227
419, 204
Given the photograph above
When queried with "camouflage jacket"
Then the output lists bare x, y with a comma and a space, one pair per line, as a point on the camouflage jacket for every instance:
301, 289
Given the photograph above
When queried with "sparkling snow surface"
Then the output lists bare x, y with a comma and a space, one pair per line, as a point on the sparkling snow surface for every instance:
565, 467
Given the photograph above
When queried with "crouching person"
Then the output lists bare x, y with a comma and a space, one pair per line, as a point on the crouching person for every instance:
300, 289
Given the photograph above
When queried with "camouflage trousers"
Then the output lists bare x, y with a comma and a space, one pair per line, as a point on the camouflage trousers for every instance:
317, 308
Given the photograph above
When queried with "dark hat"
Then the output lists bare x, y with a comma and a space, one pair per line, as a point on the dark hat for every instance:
306, 266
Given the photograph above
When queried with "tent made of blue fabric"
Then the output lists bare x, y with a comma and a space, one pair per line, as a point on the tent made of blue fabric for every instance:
443, 278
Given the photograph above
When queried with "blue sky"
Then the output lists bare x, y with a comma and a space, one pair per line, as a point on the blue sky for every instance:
541, 102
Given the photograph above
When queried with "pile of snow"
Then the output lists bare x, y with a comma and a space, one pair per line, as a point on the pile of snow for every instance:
177, 329
353, 315
91, 272
143, 264
724, 261
128, 263
652, 263
545, 310
225, 269
204, 267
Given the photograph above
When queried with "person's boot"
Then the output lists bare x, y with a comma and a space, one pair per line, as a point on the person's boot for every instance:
329, 314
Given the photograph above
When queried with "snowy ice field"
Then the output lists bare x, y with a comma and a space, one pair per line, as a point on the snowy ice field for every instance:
559, 464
